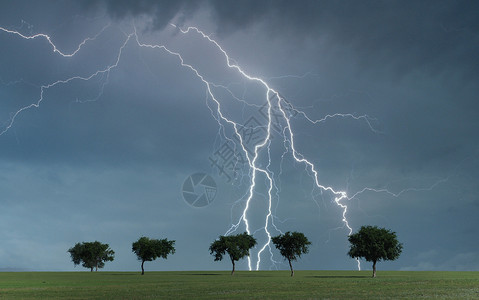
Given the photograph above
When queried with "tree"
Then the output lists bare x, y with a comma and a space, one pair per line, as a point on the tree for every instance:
291, 246
237, 247
91, 254
147, 249
374, 244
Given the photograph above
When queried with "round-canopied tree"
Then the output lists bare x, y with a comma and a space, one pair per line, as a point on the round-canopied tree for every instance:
91, 254
237, 247
291, 245
147, 249
374, 244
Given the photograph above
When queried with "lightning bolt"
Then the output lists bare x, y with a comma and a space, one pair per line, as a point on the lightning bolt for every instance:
274, 102
339, 196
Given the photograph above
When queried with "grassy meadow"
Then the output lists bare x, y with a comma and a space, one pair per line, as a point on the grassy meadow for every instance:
243, 285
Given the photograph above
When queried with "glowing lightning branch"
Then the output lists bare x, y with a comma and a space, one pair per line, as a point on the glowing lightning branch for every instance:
48, 38
366, 118
43, 88
398, 194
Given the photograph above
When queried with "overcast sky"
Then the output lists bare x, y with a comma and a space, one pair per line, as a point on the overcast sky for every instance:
107, 158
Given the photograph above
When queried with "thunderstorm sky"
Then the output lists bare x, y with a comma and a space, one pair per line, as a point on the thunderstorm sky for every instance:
106, 159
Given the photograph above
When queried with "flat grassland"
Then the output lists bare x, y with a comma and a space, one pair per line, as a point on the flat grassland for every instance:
243, 285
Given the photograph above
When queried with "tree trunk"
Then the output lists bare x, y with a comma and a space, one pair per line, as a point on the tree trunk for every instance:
91, 269
233, 262
374, 269
142, 269
291, 267
96, 268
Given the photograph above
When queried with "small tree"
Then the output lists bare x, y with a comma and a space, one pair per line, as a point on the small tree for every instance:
291, 246
237, 247
374, 244
147, 249
91, 254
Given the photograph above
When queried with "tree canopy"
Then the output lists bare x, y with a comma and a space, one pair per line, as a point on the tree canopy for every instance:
236, 246
91, 254
374, 244
147, 249
291, 245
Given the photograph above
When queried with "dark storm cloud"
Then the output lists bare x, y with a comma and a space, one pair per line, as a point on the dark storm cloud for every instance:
432, 36
161, 11
411, 65
406, 35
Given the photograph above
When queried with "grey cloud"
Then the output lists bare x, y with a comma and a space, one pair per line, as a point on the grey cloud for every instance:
430, 36
161, 11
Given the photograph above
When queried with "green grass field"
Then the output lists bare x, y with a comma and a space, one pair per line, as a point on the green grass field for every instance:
243, 285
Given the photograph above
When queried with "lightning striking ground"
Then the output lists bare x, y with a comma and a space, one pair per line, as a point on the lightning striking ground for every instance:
273, 100
252, 160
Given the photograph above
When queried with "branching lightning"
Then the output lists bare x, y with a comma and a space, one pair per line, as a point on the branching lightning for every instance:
288, 139
273, 100
43, 88
49, 39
